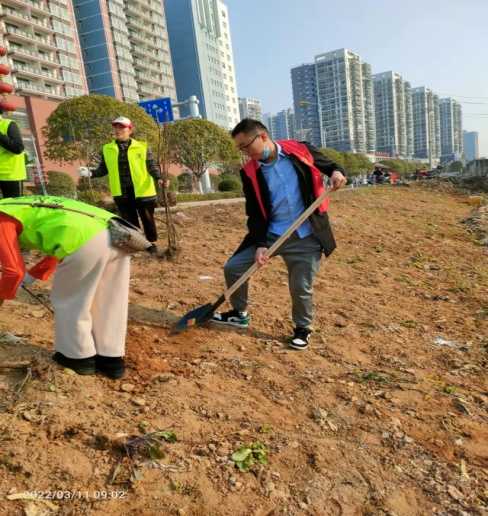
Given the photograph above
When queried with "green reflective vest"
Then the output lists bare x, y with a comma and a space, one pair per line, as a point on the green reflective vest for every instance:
54, 231
12, 166
141, 179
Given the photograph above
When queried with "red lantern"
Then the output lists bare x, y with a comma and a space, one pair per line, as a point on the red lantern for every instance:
7, 106
3, 51
6, 88
4, 69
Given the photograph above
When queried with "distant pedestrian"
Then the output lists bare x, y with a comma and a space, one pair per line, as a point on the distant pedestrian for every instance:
378, 175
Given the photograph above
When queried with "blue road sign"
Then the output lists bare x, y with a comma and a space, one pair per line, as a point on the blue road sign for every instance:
160, 109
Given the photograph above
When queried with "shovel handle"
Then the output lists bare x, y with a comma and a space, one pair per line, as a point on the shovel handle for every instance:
283, 238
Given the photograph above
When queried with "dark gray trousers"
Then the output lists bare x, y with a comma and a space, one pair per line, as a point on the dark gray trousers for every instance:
302, 259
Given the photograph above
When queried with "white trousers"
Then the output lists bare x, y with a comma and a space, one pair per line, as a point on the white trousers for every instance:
90, 296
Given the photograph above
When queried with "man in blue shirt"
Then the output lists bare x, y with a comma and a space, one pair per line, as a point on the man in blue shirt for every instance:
280, 180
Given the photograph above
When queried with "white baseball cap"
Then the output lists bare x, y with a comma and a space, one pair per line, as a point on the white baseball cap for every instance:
122, 120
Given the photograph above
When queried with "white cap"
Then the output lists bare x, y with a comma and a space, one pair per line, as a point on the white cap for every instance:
122, 120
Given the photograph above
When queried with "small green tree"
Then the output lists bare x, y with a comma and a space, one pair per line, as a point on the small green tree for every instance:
197, 144
334, 156
78, 127
397, 165
353, 163
402, 166
364, 163
232, 168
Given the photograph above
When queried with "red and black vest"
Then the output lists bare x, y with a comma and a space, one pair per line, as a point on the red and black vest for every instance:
301, 152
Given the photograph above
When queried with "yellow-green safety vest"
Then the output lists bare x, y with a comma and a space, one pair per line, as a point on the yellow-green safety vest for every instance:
12, 166
141, 179
54, 231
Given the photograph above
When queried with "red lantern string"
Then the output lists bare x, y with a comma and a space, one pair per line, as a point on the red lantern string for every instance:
5, 88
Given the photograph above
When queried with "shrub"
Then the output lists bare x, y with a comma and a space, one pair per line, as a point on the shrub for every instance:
98, 184
229, 185
97, 198
232, 177
60, 183
185, 182
190, 197
90, 197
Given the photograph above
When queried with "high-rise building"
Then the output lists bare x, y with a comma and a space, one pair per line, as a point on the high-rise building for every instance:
471, 146
281, 126
291, 124
43, 48
426, 124
451, 130
149, 46
268, 122
345, 100
369, 112
393, 110
304, 85
201, 48
250, 108
125, 48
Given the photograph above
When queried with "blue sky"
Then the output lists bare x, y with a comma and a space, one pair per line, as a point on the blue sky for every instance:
441, 44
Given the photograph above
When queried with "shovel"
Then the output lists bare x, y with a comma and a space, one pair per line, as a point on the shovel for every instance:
202, 314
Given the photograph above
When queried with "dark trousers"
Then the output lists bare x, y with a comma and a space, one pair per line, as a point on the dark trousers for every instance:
131, 209
302, 259
11, 188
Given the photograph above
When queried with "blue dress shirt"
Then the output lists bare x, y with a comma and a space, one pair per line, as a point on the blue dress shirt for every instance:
285, 195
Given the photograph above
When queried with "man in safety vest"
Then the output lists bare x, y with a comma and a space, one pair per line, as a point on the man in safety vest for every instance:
12, 159
280, 180
132, 176
91, 285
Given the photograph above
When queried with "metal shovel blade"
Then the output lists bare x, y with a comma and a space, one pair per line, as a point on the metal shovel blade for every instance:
195, 317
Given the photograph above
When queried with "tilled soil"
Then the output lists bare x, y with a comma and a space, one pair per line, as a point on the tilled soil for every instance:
385, 414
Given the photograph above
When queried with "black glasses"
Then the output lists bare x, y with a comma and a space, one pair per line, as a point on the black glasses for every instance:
244, 147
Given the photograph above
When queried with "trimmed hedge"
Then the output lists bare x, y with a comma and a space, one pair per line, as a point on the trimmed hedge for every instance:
189, 197
60, 183
229, 185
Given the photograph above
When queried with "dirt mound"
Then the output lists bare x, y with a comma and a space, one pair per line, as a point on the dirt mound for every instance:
385, 414
477, 224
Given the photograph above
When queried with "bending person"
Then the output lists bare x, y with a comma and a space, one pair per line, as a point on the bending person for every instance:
91, 283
